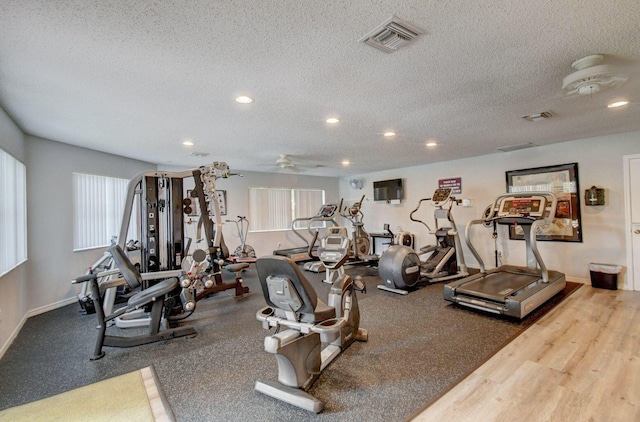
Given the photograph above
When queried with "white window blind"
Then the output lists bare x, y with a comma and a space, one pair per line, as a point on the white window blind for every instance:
275, 208
13, 212
99, 203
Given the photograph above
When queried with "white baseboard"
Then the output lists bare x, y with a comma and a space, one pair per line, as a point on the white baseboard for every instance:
12, 337
52, 306
31, 313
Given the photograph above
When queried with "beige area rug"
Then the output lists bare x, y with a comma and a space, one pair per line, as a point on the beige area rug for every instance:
135, 396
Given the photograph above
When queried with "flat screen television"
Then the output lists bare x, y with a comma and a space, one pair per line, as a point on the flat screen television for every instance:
387, 190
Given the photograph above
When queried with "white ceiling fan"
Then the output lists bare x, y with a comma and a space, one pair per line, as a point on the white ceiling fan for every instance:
591, 76
285, 162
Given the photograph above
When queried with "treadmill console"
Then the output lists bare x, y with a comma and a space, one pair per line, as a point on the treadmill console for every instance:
530, 206
326, 211
441, 196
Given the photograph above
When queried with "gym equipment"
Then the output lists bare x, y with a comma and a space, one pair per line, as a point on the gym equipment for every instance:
360, 239
401, 268
360, 243
309, 333
507, 289
332, 262
157, 199
326, 213
244, 251
154, 296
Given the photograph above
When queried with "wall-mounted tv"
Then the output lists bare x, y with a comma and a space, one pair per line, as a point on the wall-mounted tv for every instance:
387, 190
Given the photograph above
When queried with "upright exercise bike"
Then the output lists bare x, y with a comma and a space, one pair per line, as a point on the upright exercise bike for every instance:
309, 333
401, 268
244, 251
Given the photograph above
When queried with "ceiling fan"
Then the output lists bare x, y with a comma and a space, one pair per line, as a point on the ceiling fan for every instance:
285, 162
591, 76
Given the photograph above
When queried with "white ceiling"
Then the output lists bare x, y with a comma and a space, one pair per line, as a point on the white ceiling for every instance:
136, 77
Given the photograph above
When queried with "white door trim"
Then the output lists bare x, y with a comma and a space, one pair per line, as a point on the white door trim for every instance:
632, 280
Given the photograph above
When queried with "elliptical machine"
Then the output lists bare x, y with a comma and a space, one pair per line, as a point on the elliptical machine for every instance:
360, 239
309, 333
401, 268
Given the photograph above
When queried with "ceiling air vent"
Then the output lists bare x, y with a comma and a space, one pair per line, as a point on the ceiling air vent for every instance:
391, 35
511, 148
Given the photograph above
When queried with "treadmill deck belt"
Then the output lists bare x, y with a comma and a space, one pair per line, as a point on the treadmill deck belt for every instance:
499, 285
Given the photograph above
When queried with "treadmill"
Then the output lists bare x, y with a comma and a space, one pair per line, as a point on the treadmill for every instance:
326, 213
511, 290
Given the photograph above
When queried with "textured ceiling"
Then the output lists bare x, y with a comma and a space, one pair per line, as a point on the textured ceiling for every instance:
135, 78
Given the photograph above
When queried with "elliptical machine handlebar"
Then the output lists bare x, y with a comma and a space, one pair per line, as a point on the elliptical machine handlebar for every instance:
412, 218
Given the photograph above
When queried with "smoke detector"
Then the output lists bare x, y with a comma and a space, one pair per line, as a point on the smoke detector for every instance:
391, 35
591, 76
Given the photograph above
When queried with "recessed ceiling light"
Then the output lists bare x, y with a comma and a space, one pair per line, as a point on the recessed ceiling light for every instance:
431, 144
389, 134
332, 120
243, 99
346, 162
618, 104
188, 143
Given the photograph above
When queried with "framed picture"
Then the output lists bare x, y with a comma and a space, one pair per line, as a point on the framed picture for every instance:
561, 180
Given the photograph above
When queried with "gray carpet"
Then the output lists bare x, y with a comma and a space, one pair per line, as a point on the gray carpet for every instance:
419, 346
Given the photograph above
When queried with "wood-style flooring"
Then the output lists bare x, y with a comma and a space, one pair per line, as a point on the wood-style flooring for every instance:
580, 362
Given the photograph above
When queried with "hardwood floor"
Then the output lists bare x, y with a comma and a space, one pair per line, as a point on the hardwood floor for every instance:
580, 362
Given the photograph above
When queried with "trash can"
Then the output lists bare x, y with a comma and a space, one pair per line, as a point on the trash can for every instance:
604, 276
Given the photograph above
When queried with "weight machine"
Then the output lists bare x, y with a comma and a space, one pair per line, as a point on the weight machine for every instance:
156, 201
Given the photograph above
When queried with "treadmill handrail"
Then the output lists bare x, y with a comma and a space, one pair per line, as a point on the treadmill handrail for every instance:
533, 244
310, 220
472, 248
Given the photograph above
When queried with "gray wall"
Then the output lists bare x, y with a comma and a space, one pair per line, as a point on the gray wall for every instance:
483, 178
52, 262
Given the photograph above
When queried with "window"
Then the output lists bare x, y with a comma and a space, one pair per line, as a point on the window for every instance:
275, 208
13, 213
99, 203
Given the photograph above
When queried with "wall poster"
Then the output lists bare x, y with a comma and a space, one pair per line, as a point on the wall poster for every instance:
561, 180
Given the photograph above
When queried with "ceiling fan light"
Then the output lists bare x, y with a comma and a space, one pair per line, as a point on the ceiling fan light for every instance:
617, 104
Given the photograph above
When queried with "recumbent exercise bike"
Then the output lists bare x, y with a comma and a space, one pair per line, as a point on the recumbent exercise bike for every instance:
309, 333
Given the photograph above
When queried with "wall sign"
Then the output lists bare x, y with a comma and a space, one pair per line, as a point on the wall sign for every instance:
455, 183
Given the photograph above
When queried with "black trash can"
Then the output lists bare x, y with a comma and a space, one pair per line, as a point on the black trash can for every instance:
604, 276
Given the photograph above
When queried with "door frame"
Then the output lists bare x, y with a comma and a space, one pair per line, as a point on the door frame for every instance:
633, 279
